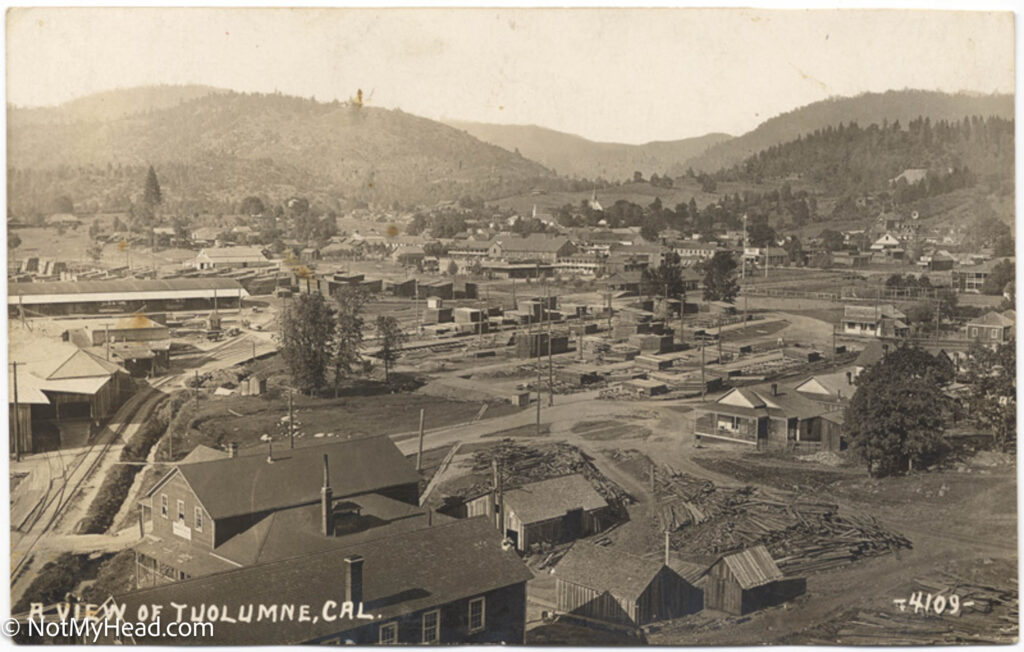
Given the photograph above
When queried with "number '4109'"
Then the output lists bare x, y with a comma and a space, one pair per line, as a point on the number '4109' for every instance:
925, 603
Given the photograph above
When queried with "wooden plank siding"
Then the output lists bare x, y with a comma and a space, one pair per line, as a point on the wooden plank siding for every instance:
579, 600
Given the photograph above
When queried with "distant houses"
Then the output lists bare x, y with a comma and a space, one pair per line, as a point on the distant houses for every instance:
875, 321
217, 257
990, 328
553, 511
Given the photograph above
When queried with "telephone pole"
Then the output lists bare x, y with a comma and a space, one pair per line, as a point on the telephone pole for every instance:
419, 452
551, 373
291, 419
703, 385
17, 415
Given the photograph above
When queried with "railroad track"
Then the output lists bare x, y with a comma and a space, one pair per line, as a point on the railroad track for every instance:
59, 495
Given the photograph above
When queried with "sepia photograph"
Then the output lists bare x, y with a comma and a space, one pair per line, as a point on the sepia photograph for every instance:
588, 327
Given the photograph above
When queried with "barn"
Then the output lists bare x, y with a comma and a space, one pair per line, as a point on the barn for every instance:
595, 583
743, 582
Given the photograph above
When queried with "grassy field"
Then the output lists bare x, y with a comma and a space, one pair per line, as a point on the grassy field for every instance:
244, 419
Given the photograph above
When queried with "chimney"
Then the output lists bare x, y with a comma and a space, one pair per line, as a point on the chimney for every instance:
849, 377
354, 579
270, 451
233, 449
326, 504
430, 517
775, 389
666, 547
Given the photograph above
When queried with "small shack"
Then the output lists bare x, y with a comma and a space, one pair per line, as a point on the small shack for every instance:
595, 583
744, 582
553, 511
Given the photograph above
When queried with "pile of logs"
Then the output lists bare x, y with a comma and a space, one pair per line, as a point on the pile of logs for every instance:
521, 465
803, 535
987, 616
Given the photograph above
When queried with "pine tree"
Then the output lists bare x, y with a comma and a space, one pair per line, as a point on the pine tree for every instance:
720, 278
151, 196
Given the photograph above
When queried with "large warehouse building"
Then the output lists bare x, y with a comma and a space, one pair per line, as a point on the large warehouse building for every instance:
122, 297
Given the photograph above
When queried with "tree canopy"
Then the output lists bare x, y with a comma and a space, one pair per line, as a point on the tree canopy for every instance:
307, 329
720, 278
896, 418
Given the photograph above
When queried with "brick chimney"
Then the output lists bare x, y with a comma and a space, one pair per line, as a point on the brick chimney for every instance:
354, 579
233, 449
326, 503
775, 389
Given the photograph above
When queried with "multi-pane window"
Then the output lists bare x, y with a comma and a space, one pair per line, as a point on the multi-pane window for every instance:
431, 626
476, 615
389, 634
163, 505
199, 519
181, 511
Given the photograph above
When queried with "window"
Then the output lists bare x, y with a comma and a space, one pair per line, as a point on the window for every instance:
432, 626
995, 333
389, 634
476, 615
181, 511
974, 331
199, 519
163, 505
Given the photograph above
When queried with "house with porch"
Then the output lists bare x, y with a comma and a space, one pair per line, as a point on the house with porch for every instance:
766, 417
874, 321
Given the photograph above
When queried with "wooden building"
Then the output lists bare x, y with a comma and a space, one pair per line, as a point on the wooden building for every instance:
450, 583
553, 511
595, 583
743, 582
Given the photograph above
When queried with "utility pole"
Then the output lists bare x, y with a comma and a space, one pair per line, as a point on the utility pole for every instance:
719, 340
197, 392
254, 350
703, 385
17, 415
419, 453
743, 259
106, 338
291, 419
551, 373
539, 332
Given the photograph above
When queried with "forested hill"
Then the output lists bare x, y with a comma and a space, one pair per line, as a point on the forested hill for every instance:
892, 106
221, 147
572, 155
848, 159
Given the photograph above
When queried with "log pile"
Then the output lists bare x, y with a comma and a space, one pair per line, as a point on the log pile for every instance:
521, 465
802, 534
992, 619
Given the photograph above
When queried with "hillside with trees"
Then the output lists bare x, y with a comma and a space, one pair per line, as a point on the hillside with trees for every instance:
847, 159
572, 155
892, 106
222, 147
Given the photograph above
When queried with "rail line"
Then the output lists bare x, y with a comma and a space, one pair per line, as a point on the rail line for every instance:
60, 497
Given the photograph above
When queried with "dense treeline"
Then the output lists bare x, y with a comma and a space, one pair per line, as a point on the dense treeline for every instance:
848, 159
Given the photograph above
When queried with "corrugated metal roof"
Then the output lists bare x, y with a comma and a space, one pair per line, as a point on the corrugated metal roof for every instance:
753, 567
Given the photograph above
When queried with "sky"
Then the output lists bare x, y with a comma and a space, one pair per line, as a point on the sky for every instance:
620, 75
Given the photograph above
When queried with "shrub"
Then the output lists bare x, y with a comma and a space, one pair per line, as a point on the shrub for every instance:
119, 479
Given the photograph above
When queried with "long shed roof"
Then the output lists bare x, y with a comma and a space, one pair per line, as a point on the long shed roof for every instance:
121, 289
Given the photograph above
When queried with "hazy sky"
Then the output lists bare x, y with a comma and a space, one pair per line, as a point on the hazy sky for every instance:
617, 75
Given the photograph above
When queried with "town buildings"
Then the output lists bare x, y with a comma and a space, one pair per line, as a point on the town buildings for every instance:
447, 583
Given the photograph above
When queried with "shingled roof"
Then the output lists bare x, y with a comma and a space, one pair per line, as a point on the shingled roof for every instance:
548, 499
401, 574
250, 484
